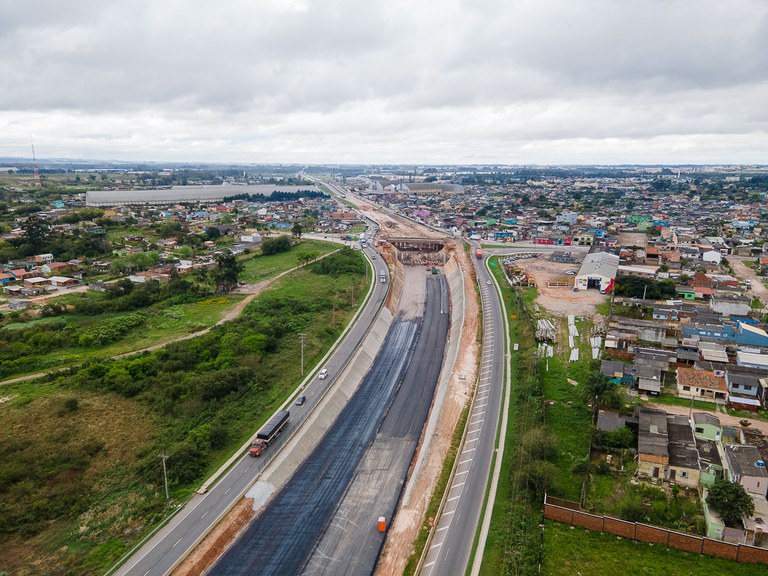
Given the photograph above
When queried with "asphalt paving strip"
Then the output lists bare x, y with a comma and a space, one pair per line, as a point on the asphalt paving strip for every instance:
351, 546
282, 537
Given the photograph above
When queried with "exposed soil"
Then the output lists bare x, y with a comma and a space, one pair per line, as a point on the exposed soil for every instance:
560, 300
217, 541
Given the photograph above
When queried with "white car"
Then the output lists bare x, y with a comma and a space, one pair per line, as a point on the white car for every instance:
323, 374
571, 273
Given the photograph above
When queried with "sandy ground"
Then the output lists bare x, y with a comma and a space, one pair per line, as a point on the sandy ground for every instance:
561, 300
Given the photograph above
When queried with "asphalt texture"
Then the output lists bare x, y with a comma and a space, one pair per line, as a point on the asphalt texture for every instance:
280, 540
455, 529
351, 545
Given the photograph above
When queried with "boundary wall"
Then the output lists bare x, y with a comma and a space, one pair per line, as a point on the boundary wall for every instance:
567, 512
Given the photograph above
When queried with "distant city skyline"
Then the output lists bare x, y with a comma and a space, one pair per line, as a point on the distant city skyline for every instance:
480, 82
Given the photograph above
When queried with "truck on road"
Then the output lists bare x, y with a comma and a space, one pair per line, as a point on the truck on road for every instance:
382, 277
479, 254
267, 433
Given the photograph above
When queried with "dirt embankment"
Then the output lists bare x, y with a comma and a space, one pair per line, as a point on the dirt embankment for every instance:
217, 541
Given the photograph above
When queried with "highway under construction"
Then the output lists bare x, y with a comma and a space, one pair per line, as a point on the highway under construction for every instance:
323, 521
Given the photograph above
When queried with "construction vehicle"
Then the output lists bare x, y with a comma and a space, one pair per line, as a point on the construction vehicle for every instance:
269, 432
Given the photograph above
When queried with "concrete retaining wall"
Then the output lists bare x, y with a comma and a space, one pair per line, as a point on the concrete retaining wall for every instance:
567, 512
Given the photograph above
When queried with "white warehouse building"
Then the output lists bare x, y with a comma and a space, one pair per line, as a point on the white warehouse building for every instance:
597, 271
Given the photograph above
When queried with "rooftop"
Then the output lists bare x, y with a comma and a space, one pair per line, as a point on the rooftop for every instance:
742, 460
700, 379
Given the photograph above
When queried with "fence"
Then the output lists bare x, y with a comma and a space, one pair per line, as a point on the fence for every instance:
568, 512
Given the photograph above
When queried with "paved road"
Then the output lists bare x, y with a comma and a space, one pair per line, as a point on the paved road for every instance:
455, 529
282, 537
171, 544
351, 544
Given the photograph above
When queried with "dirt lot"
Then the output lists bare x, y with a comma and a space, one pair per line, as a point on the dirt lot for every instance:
639, 239
560, 300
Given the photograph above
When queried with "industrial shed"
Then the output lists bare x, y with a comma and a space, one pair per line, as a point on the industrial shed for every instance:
176, 194
597, 271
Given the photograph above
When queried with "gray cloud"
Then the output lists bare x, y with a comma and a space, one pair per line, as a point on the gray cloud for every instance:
342, 80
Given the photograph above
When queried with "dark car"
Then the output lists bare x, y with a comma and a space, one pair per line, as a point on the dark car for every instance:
300, 400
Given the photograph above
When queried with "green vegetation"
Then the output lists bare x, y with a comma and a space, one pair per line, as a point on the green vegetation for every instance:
569, 551
257, 268
270, 246
731, 501
80, 478
648, 288
612, 492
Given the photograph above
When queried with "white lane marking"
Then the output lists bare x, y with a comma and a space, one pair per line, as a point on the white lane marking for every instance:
468, 450
227, 490
436, 545
465, 461
456, 486
443, 528
461, 473
430, 564
204, 515
177, 541
449, 512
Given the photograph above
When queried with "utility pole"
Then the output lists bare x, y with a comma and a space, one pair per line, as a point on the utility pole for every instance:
164, 457
301, 337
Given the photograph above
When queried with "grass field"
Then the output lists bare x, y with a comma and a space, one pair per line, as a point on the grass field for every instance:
78, 454
163, 324
262, 267
572, 551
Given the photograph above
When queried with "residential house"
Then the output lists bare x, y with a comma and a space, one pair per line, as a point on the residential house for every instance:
752, 360
743, 390
744, 464
55, 268
701, 385
62, 281
667, 448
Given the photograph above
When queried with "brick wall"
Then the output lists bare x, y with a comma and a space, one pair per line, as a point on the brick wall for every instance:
568, 512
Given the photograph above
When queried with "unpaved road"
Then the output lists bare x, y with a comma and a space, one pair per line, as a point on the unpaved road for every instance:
252, 291
743, 271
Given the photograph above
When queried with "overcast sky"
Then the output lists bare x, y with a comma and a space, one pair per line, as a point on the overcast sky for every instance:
395, 81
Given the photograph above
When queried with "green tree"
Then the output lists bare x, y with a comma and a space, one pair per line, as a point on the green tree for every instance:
731, 501
600, 392
36, 232
227, 270
272, 246
296, 230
